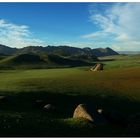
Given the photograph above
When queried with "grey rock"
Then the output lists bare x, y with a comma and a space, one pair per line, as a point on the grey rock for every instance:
49, 107
3, 98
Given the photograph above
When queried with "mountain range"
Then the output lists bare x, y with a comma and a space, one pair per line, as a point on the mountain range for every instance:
50, 56
59, 50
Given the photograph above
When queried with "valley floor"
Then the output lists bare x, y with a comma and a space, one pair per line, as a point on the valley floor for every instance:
116, 88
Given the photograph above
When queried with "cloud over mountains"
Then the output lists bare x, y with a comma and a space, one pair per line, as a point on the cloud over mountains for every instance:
115, 25
118, 23
17, 35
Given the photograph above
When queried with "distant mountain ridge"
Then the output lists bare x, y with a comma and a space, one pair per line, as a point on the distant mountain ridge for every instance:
7, 50
104, 52
50, 56
129, 52
61, 50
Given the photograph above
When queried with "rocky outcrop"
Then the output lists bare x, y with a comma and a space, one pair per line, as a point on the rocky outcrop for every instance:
87, 112
82, 112
97, 67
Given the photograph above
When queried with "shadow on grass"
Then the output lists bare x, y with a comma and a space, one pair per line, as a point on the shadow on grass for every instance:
19, 115
106, 60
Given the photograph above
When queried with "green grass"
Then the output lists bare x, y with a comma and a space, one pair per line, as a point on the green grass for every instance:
72, 81
114, 88
121, 61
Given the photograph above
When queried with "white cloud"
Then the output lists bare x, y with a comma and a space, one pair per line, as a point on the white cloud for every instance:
17, 35
100, 34
131, 46
119, 23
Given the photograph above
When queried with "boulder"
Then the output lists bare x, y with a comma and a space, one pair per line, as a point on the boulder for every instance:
3, 98
98, 67
92, 68
100, 111
84, 111
49, 108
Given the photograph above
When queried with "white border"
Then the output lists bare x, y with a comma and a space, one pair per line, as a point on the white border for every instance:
69, 0
68, 138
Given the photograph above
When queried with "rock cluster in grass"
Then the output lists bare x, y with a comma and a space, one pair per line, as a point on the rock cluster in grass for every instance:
96, 116
97, 67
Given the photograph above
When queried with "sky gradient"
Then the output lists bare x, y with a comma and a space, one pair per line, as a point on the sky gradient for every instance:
114, 25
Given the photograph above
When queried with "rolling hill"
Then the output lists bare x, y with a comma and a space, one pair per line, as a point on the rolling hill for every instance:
40, 60
22, 58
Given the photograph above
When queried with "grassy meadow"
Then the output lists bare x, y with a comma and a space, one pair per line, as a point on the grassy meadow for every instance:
117, 87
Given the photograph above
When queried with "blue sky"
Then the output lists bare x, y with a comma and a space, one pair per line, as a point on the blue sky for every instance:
114, 25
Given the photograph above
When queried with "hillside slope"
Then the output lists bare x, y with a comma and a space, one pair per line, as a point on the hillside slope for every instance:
39, 60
